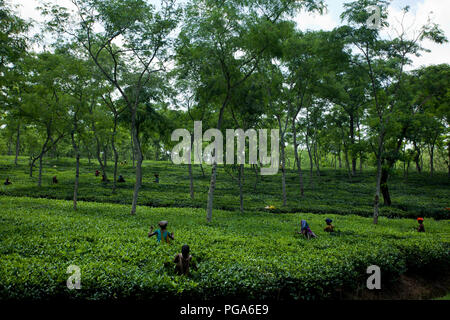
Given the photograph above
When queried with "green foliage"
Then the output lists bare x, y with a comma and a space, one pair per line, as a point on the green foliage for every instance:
333, 192
256, 255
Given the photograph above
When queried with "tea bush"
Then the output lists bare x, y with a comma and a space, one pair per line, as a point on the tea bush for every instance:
251, 255
333, 192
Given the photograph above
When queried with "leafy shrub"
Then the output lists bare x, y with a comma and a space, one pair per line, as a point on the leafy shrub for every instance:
251, 255
333, 191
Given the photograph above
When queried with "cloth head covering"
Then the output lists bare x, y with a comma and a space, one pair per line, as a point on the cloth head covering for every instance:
163, 223
328, 220
419, 219
304, 225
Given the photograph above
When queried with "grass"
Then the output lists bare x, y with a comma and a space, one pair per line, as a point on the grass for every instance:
251, 255
332, 192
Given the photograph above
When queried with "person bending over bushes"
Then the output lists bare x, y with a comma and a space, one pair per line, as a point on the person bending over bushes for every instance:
183, 261
162, 233
306, 231
156, 178
97, 173
7, 182
421, 226
329, 227
121, 179
55, 180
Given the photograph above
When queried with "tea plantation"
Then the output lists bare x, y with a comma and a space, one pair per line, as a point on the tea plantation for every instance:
251, 255
331, 192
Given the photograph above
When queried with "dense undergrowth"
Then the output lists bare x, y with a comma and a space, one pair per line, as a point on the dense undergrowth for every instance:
331, 192
251, 255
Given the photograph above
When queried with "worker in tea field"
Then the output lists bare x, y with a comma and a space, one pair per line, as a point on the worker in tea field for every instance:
55, 180
183, 261
97, 173
329, 227
156, 178
161, 233
7, 182
121, 179
421, 226
306, 230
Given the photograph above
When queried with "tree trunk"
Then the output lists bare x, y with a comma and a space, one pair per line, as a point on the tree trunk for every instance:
317, 158
139, 156
203, 171
352, 140
308, 148
31, 167
43, 150
30, 163
53, 154
339, 158
212, 187
157, 150
77, 171
17, 145
360, 162
421, 161
116, 154
377, 193
201, 166
432, 160
241, 192
353, 165
417, 158
105, 156
89, 156
360, 150
347, 164
384, 186
212, 184
191, 181
407, 169
9, 144
133, 152
191, 178
297, 159
40, 170
404, 168
448, 163
311, 165
376, 209
388, 164
255, 168
99, 158
283, 171
77, 177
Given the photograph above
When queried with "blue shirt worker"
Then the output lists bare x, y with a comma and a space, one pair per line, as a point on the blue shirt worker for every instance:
161, 233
